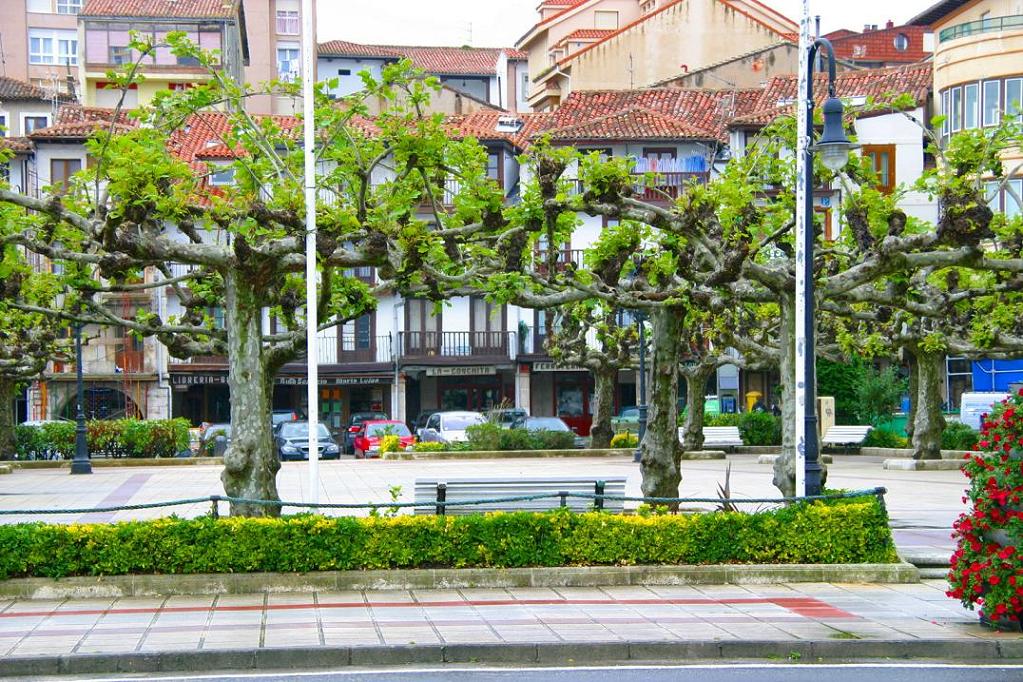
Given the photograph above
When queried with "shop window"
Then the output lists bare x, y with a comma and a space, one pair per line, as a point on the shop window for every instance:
971, 106
956, 107
992, 102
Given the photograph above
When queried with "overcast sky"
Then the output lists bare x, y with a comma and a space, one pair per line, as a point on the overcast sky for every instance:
501, 22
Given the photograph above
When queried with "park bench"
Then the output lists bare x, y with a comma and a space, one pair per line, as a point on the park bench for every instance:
850, 437
440, 490
717, 437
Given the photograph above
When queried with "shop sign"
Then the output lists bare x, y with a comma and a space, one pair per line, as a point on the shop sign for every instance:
551, 367
460, 371
197, 379
332, 381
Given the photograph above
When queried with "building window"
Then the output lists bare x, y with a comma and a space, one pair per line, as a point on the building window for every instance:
902, 42
1014, 96
61, 171
494, 165
1004, 199
120, 55
287, 22
419, 316
992, 102
946, 112
69, 6
288, 61
882, 157
46, 46
5, 131
971, 106
605, 20
957, 109
222, 175
344, 72
30, 123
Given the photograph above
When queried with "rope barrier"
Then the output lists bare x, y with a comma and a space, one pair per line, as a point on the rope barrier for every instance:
216, 499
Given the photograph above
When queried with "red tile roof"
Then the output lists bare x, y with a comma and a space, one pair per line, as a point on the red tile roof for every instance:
482, 125
11, 89
645, 114
185, 9
75, 122
882, 85
587, 34
18, 145
470, 61
880, 45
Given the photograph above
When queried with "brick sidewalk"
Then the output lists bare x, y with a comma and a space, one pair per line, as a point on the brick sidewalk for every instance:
792, 612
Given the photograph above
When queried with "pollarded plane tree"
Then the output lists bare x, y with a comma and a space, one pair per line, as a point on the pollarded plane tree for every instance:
141, 214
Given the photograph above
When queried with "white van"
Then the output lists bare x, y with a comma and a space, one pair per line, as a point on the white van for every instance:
974, 405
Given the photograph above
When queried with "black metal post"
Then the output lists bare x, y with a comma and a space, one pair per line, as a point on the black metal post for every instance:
640, 320
813, 467
81, 463
442, 496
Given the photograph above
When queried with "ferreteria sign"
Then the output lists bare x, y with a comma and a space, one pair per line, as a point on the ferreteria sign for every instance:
460, 371
551, 367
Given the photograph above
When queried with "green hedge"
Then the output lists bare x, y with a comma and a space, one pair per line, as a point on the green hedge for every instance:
959, 436
106, 438
855, 531
489, 437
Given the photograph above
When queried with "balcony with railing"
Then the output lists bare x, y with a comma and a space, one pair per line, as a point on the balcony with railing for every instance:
660, 187
986, 25
444, 197
353, 349
565, 257
532, 342
455, 347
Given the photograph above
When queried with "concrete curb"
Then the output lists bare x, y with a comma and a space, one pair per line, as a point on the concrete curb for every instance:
907, 453
403, 579
771, 459
543, 653
513, 454
99, 463
922, 464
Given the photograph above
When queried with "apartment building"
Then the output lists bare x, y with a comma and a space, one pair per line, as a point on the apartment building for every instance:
39, 43
878, 47
628, 44
470, 76
978, 78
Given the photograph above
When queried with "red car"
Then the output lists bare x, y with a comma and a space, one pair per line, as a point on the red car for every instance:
370, 433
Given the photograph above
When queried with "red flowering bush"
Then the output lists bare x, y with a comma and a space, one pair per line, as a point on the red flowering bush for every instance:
987, 567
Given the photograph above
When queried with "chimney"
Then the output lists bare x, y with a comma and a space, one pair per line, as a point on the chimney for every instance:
890, 24
866, 28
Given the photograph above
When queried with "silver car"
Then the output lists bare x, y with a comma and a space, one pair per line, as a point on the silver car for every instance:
449, 427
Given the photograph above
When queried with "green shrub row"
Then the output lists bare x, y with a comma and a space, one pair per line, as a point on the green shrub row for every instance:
490, 437
106, 438
959, 436
879, 438
818, 533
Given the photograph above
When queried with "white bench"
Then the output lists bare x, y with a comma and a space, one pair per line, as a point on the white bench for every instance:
846, 436
717, 437
437, 491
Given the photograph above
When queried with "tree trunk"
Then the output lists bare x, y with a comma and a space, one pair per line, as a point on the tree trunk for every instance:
250, 464
928, 420
604, 381
914, 388
692, 429
785, 465
8, 392
661, 452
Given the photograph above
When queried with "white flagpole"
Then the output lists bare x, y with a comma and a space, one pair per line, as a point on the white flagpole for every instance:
803, 143
312, 350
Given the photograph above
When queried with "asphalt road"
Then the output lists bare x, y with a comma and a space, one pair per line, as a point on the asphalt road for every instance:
905, 672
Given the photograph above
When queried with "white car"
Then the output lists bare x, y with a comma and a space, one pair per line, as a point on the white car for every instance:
449, 427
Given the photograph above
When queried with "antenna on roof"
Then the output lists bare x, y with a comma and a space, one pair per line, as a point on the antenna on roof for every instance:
469, 34
3, 56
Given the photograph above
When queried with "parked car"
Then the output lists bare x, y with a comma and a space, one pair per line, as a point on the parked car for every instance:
370, 433
553, 424
291, 441
508, 418
354, 422
626, 420
278, 416
211, 434
420, 422
449, 427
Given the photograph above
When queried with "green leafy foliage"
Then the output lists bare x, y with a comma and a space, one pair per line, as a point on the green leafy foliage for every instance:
723, 419
760, 428
878, 394
853, 532
390, 443
429, 446
879, 438
106, 438
959, 436
490, 437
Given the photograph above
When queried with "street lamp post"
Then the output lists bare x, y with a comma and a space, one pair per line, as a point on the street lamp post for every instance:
80, 464
641, 321
834, 148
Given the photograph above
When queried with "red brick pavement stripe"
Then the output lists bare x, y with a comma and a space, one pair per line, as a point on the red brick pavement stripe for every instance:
805, 606
121, 495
